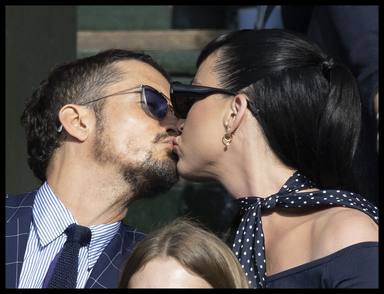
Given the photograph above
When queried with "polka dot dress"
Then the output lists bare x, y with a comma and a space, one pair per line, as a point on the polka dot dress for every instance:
249, 241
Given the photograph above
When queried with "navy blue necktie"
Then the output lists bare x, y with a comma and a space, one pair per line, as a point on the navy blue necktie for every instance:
249, 241
63, 269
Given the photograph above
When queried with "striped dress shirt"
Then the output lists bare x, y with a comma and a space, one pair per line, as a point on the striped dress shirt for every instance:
47, 237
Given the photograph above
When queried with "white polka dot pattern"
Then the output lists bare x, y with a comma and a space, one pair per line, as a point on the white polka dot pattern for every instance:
249, 240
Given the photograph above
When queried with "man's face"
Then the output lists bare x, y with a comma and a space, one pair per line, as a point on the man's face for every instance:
138, 145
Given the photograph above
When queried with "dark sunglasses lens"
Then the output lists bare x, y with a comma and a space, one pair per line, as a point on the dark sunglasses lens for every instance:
156, 103
182, 103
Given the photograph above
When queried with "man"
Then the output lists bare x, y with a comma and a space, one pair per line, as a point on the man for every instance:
99, 134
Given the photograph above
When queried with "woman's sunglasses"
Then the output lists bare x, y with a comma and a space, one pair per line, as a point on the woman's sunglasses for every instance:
155, 103
184, 96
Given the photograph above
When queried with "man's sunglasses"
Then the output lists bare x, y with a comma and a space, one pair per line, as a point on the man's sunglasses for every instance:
184, 96
155, 103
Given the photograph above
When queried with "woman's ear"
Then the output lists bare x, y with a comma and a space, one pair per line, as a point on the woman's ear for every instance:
236, 112
76, 120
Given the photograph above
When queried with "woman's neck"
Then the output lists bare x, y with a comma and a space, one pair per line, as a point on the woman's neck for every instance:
251, 168
253, 180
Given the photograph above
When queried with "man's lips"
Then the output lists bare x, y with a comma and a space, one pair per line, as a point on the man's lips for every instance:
175, 145
168, 140
171, 141
174, 141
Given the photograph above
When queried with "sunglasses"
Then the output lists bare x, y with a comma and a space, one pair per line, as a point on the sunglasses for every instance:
155, 103
184, 96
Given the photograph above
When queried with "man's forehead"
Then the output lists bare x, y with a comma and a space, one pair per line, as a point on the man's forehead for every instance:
136, 72
138, 69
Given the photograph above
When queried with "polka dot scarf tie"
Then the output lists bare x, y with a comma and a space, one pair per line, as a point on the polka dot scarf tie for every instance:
249, 241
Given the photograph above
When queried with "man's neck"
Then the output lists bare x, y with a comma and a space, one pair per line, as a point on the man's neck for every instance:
93, 195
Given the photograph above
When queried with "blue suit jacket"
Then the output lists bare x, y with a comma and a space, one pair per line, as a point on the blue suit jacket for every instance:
107, 270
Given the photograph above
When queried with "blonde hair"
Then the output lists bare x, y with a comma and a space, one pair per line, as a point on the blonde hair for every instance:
195, 248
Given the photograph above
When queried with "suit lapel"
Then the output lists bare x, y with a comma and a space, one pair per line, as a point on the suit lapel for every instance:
106, 272
108, 268
18, 222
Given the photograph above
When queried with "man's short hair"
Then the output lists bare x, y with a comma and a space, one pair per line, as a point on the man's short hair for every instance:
73, 82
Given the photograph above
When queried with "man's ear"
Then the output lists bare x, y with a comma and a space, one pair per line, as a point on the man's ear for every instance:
236, 112
76, 120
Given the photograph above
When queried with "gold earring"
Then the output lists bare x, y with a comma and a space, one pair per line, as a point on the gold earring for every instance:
227, 139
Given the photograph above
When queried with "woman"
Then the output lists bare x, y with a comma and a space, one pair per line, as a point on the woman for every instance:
182, 255
276, 121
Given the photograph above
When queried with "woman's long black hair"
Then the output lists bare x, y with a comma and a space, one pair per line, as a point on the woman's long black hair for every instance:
307, 104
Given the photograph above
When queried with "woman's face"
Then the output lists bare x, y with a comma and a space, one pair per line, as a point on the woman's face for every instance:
200, 146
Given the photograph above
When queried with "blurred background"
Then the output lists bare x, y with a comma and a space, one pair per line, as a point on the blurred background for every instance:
39, 37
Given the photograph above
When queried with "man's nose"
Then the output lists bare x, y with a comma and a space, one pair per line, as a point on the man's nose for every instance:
177, 128
180, 125
173, 124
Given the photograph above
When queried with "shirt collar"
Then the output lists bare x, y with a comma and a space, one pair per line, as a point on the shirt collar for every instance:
48, 209
101, 236
50, 215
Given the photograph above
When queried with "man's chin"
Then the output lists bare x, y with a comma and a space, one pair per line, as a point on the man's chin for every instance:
169, 154
152, 177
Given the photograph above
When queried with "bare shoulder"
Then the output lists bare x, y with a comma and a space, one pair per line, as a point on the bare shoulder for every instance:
340, 227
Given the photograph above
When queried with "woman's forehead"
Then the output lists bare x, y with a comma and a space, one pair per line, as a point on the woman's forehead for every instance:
206, 74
